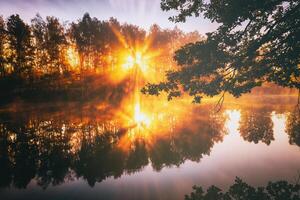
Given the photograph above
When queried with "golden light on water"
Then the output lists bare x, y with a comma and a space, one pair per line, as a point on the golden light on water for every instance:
134, 63
140, 118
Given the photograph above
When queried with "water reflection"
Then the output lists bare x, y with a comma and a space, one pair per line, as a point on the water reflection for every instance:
293, 127
256, 125
53, 149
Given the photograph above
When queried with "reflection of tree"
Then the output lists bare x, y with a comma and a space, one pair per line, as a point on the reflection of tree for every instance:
163, 154
256, 125
25, 156
98, 159
191, 141
52, 151
5, 162
33, 149
137, 157
240, 190
194, 143
186, 144
54, 154
293, 127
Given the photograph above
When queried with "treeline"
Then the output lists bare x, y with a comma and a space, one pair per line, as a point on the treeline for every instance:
242, 190
53, 52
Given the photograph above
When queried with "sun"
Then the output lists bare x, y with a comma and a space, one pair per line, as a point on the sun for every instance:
136, 59
72, 57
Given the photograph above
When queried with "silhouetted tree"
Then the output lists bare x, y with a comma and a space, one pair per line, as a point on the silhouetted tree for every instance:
38, 28
20, 43
133, 35
105, 52
279, 190
50, 40
54, 39
47, 56
256, 42
2, 47
86, 35
159, 38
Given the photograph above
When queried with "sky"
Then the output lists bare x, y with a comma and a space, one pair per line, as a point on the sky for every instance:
143, 13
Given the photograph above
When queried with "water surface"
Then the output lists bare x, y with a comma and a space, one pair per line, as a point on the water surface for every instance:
92, 151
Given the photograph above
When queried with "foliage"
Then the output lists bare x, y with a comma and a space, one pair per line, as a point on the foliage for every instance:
86, 33
49, 55
20, 42
241, 190
256, 42
50, 38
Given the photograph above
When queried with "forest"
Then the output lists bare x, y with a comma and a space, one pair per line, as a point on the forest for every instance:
87, 59
49, 59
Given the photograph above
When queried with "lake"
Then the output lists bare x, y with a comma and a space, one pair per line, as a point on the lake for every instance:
150, 150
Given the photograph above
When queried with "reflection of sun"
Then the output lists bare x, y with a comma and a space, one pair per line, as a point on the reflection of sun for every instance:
232, 123
140, 118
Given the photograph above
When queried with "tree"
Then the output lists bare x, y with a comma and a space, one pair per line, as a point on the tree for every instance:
38, 28
86, 34
166, 40
54, 40
20, 44
109, 43
49, 40
133, 35
2, 47
256, 42
242, 190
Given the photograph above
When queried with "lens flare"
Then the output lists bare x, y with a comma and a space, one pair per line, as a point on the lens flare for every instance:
129, 62
136, 60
